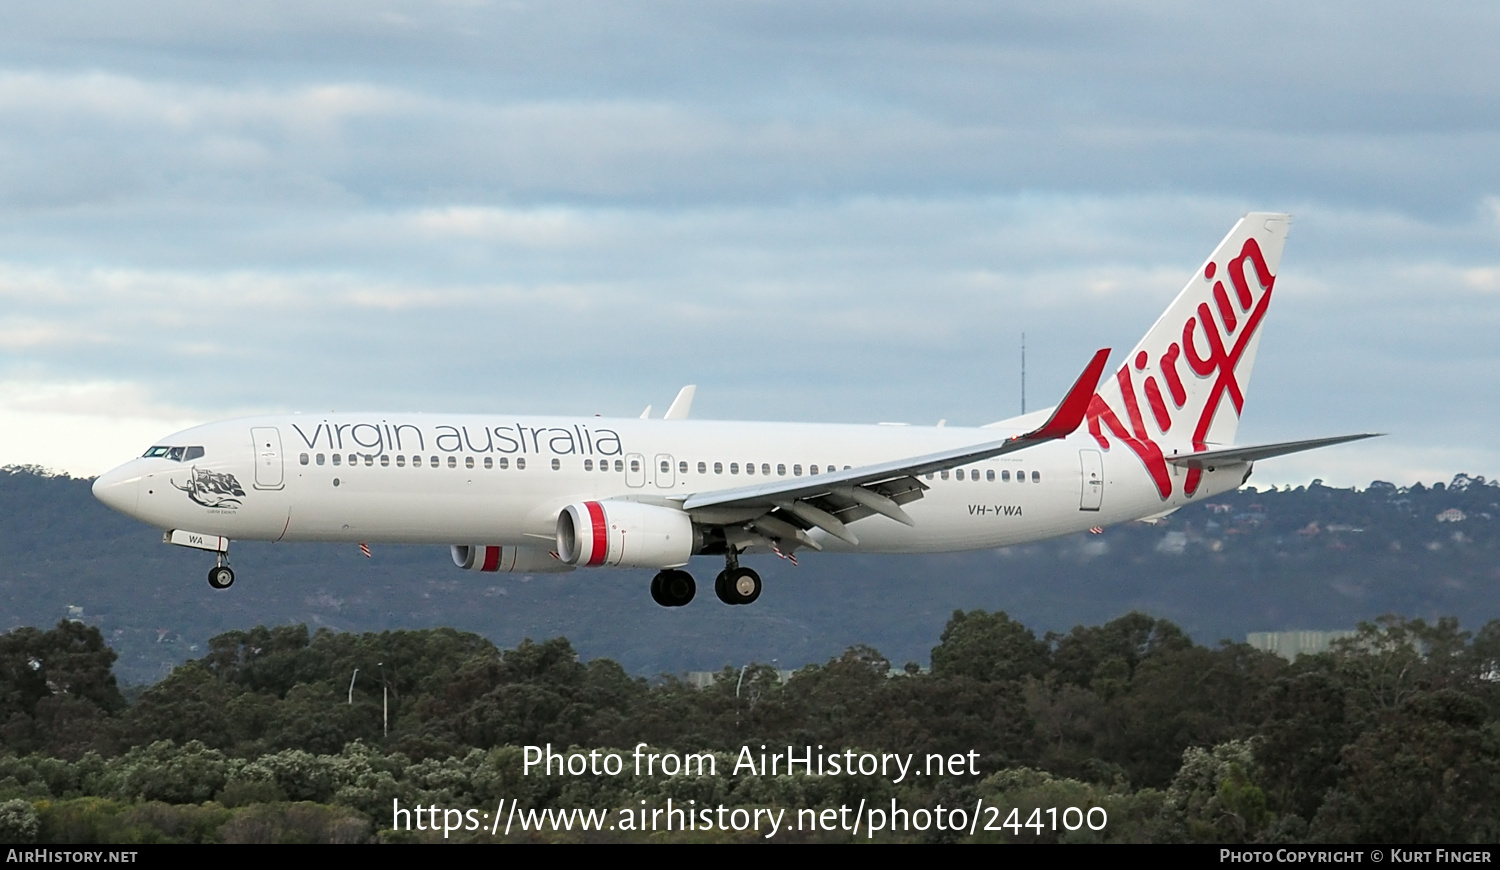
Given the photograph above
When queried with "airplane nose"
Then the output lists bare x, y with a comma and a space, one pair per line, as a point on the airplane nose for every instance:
120, 488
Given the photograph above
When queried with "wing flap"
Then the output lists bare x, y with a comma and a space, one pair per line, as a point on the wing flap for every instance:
889, 481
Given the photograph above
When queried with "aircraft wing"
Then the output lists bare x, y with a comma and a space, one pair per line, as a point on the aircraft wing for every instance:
1206, 459
785, 509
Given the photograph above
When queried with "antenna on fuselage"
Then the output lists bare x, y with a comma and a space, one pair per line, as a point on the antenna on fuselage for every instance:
1023, 373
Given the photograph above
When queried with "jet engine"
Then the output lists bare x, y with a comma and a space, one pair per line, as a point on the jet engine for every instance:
506, 560
624, 533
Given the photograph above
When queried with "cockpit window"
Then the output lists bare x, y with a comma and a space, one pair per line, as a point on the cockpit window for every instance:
176, 454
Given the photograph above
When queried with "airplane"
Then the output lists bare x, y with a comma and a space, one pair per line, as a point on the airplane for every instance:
513, 494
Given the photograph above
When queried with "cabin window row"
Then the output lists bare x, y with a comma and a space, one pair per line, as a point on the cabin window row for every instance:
400, 460
989, 475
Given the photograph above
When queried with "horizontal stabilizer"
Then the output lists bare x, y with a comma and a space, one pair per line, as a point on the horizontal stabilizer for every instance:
1252, 452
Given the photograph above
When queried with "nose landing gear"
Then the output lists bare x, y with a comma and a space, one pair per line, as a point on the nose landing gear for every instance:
221, 576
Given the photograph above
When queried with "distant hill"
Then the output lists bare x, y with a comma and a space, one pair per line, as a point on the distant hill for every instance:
1309, 558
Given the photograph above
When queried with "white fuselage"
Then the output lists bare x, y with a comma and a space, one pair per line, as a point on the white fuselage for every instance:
429, 479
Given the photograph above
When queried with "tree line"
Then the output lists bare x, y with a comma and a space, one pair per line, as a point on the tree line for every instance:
282, 734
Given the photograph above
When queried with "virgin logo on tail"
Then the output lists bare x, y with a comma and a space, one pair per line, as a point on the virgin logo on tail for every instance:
1211, 348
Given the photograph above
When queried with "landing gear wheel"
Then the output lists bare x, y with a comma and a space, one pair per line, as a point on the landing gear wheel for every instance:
221, 577
673, 588
737, 586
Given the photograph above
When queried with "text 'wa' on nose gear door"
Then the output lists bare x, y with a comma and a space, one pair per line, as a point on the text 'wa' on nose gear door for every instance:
268, 471
666, 478
1093, 480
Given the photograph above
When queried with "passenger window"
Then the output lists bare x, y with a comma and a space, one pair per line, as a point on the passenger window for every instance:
635, 465
734, 468
303, 459
1036, 477
703, 468
416, 462
489, 462
319, 459
354, 459
718, 468
812, 469
619, 465
665, 466
588, 465
385, 460
369, 459
504, 463
556, 464
336, 459
433, 461
796, 471
400, 460
682, 467
765, 468
1020, 477
929, 475
989, 475
197, 453
943, 475
520, 463
781, 469
1005, 475
749, 468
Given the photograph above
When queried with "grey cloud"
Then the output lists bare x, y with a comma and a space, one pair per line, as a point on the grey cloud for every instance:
843, 211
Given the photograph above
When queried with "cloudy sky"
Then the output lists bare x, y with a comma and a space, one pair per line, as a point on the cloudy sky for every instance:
831, 211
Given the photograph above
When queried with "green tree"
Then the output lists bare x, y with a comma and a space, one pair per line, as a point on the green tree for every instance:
990, 647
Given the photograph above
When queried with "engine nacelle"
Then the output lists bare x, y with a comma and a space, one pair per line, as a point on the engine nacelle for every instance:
624, 533
505, 560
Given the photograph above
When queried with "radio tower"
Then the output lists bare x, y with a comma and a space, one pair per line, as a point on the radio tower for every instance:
1023, 373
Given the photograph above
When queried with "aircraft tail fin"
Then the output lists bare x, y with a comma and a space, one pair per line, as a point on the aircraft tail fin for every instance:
1182, 388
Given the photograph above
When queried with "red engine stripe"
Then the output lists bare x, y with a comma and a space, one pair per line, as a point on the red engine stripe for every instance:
601, 533
491, 559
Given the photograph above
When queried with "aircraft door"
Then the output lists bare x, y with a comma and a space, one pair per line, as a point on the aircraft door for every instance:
635, 469
268, 470
1092, 464
666, 478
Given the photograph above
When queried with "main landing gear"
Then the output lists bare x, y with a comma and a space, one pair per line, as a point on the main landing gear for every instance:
734, 585
221, 576
673, 588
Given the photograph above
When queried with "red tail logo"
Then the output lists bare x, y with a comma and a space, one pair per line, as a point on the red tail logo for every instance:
1213, 354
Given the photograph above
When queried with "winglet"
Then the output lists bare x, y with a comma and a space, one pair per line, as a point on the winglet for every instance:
682, 404
1071, 410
